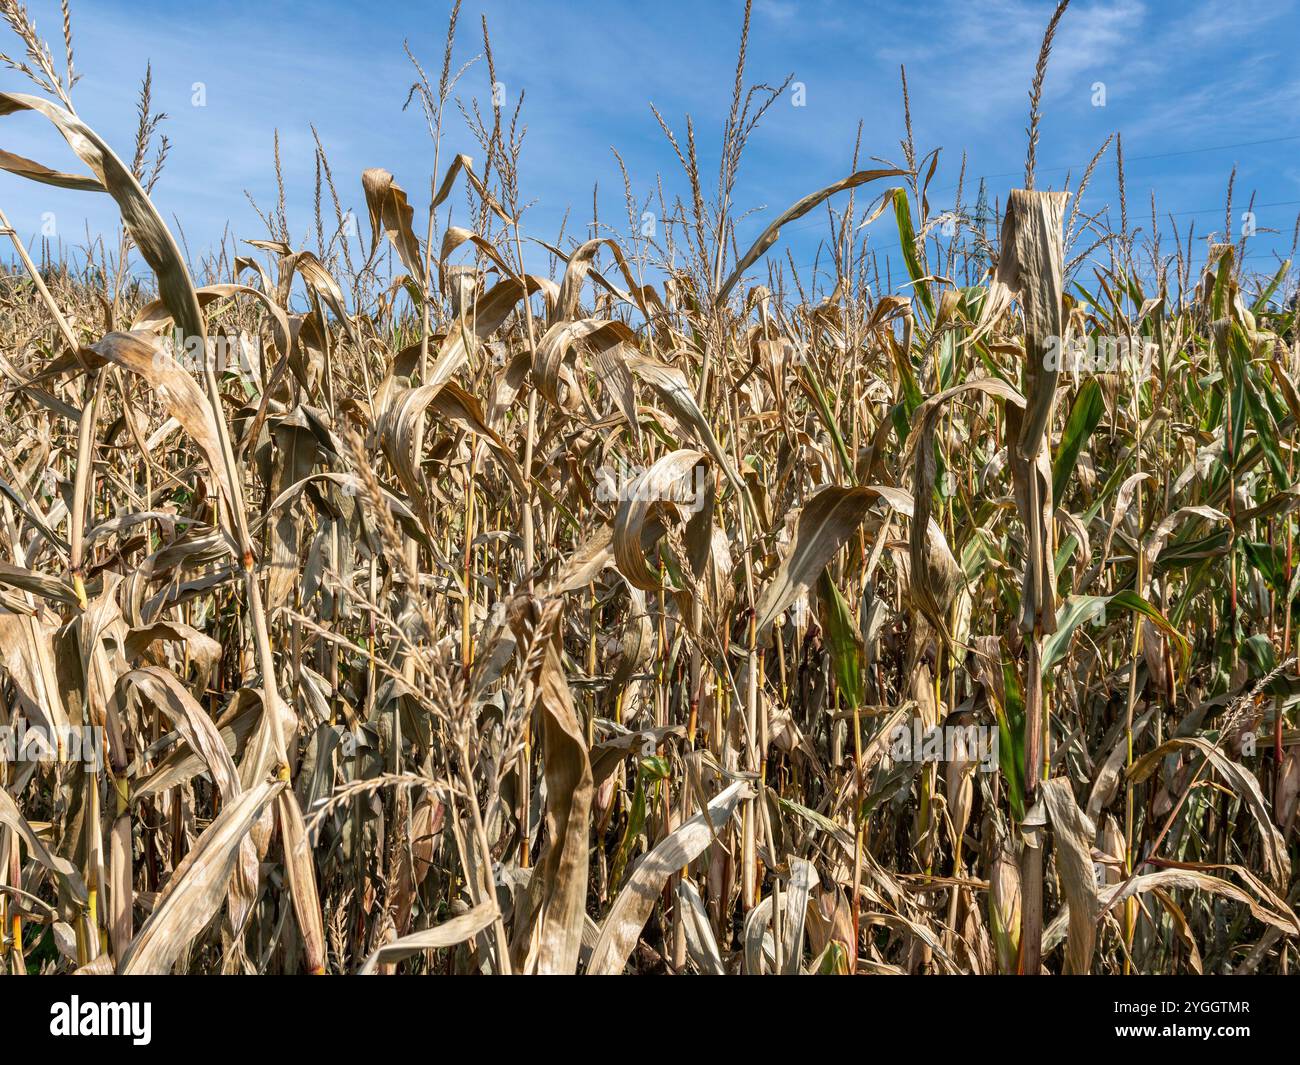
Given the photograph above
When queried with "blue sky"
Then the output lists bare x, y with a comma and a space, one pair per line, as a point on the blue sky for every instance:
1186, 78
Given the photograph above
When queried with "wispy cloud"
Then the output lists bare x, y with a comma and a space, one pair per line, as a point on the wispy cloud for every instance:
1176, 77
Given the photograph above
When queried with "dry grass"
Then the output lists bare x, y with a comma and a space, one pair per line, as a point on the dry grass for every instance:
398, 669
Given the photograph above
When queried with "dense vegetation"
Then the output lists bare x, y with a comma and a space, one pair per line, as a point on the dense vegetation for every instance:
439, 615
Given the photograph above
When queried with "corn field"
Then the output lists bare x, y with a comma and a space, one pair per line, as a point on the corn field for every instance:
454, 598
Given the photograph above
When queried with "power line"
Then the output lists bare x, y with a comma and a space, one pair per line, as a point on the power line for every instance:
1161, 155
1177, 214
1166, 214
1127, 160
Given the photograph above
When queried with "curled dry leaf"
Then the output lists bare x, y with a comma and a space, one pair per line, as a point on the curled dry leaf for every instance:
197, 887
631, 909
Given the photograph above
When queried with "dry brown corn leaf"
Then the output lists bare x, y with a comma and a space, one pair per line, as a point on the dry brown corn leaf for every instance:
1277, 863
390, 211
632, 907
197, 887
